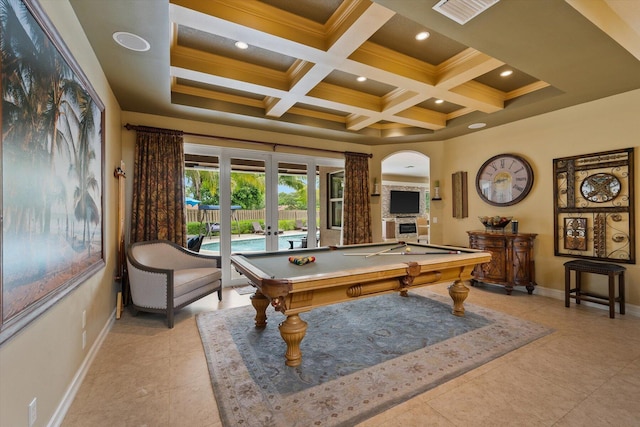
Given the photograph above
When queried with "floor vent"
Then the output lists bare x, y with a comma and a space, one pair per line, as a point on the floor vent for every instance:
462, 11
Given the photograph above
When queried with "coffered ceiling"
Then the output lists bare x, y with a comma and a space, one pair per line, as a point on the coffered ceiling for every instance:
299, 72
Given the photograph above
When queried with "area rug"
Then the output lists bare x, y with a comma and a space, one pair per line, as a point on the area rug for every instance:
359, 358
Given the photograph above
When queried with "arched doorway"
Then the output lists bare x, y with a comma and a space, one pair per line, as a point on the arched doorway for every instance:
405, 197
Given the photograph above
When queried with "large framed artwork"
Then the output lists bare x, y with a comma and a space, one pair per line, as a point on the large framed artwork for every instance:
52, 168
594, 206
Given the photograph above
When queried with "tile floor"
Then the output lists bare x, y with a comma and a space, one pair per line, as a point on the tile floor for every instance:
586, 373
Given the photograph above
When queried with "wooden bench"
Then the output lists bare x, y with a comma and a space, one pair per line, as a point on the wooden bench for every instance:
610, 270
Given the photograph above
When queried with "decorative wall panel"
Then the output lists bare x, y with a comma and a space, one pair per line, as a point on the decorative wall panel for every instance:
594, 206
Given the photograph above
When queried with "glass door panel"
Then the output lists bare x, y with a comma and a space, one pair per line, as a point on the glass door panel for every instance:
248, 201
248, 220
292, 205
202, 190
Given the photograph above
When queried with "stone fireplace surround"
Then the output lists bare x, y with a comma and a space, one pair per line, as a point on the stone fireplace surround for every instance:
403, 222
406, 228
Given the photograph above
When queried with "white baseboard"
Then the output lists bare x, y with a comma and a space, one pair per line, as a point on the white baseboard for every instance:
633, 310
72, 390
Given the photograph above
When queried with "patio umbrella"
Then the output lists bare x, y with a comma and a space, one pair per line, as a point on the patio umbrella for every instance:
191, 201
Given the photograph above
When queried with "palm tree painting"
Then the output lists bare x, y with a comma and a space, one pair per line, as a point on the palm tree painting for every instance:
52, 148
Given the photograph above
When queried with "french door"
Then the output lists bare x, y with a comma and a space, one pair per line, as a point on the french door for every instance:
242, 171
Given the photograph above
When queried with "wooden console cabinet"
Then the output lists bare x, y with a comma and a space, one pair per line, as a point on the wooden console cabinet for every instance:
512, 262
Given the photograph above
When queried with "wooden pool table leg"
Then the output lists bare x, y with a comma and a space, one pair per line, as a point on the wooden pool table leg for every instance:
260, 303
458, 292
293, 330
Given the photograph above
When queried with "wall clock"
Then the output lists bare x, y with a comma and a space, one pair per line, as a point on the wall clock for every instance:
504, 180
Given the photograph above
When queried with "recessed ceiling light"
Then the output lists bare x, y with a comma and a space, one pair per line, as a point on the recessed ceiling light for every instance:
131, 41
477, 125
423, 35
506, 73
439, 101
242, 45
362, 79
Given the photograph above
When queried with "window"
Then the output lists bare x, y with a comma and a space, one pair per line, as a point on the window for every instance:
336, 186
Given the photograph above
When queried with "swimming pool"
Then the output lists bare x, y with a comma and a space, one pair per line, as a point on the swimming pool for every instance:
256, 244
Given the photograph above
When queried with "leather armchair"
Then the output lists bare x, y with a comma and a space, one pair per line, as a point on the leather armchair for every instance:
165, 277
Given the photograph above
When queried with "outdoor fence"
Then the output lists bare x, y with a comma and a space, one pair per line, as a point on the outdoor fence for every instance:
195, 215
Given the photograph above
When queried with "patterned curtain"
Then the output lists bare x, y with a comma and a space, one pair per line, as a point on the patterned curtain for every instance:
158, 208
356, 227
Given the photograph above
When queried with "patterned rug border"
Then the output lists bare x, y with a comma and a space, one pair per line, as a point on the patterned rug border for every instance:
241, 401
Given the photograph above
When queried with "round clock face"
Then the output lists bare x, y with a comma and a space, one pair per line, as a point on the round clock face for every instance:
504, 180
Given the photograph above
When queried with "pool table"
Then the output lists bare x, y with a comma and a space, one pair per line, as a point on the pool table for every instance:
343, 273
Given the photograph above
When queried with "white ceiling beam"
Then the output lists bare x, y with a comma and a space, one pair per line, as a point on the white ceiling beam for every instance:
349, 39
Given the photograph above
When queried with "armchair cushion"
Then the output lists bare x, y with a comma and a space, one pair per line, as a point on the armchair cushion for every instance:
188, 280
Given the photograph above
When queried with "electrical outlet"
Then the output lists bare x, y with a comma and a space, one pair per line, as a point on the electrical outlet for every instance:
435, 219
84, 339
84, 318
33, 411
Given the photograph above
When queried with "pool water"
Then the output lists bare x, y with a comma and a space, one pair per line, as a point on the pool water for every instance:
257, 244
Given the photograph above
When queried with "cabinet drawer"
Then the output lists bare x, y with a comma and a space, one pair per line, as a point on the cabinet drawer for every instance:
488, 244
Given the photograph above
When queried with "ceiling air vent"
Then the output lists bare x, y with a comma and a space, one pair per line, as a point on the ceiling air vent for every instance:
462, 11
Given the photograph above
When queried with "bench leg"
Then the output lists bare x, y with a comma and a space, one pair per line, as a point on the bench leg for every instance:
567, 285
621, 291
612, 295
578, 285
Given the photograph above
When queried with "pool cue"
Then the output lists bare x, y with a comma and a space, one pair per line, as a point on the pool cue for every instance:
429, 253
387, 250
406, 253
123, 296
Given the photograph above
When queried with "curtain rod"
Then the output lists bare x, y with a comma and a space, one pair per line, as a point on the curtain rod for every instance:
274, 145
152, 129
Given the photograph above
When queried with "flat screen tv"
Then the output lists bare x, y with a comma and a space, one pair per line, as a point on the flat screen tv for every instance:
404, 202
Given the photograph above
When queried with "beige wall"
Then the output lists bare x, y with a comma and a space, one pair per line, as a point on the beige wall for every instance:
43, 358
408, 179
